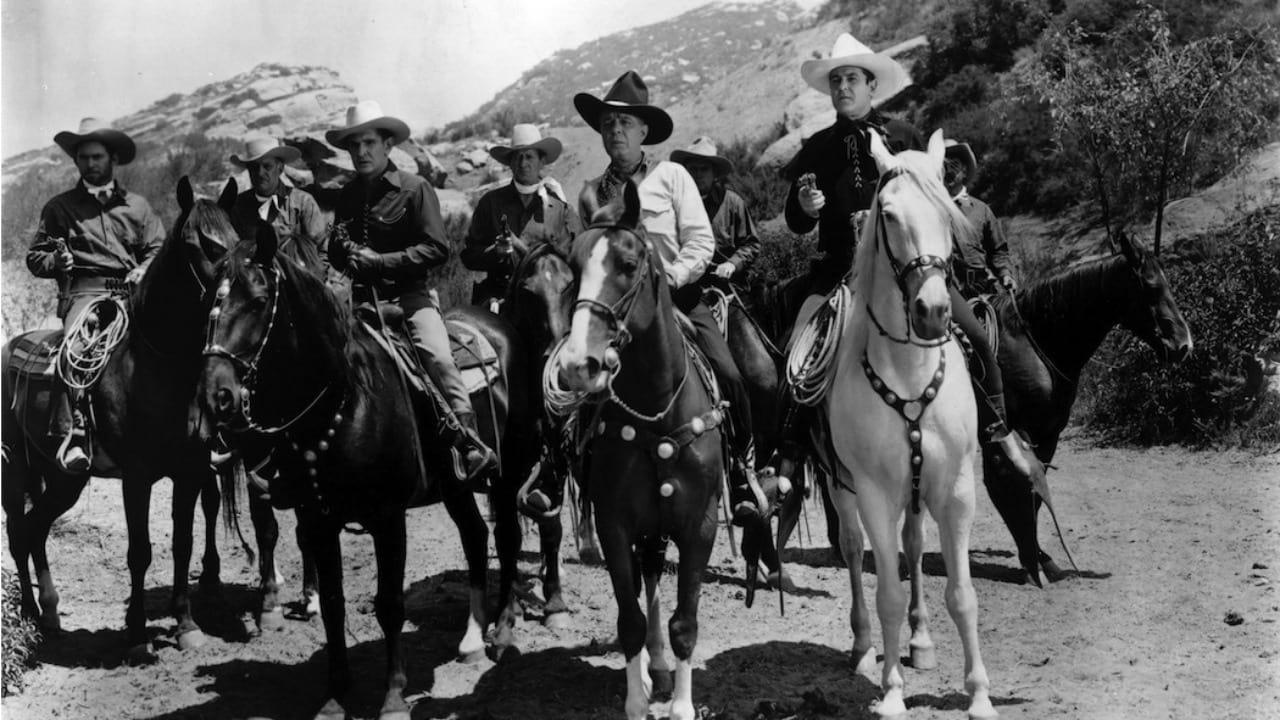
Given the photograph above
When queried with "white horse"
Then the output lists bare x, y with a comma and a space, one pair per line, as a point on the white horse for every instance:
903, 419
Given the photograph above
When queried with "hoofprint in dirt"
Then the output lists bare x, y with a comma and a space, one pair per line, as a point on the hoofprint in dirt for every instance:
1174, 614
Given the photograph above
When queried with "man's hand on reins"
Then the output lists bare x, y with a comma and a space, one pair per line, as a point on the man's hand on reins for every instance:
364, 262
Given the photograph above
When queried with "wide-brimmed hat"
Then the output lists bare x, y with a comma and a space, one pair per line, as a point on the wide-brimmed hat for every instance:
258, 148
526, 137
703, 150
629, 94
115, 141
891, 77
367, 115
962, 152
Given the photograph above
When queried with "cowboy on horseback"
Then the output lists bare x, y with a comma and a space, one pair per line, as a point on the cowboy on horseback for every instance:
294, 214
675, 220
531, 209
394, 237
97, 240
737, 243
982, 257
834, 180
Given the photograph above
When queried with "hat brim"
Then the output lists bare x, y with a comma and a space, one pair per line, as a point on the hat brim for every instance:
398, 129
891, 77
964, 153
285, 153
549, 147
721, 165
117, 142
591, 107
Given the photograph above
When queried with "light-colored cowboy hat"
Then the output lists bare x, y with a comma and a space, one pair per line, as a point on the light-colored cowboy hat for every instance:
891, 77
629, 94
526, 137
703, 150
963, 153
93, 129
367, 115
259, 148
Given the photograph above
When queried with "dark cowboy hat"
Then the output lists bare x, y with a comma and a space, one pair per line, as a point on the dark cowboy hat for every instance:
526, 137
95, 130
962, 152
630, 95
703, 150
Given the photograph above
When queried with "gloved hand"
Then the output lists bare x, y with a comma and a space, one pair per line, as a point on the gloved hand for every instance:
812, 201
1008, 283
725, 270
365, 263
135, 275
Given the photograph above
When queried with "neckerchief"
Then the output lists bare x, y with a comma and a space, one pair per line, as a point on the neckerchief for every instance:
615, 178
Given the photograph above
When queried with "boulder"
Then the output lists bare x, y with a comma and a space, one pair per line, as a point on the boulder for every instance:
463, 167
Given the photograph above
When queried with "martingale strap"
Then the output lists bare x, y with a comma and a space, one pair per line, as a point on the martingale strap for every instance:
906, 409
665, 449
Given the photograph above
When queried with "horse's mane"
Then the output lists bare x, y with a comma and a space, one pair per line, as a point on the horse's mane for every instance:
209, 220
1055, 295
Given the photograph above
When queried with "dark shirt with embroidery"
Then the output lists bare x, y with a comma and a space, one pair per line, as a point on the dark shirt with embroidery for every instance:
396, 214
538, 222
735, 232
840, 159
105, 240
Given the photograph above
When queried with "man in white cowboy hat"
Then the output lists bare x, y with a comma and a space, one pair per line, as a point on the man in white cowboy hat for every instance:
676, 222
97, 239
531, 208
300, 226
737, 243
981, 257
395, 237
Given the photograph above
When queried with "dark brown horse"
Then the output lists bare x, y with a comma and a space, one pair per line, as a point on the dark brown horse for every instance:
141, 405
288, 364
655, 444
1048, 331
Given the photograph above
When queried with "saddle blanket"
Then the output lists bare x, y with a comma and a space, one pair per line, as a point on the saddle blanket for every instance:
474, 355
34, 354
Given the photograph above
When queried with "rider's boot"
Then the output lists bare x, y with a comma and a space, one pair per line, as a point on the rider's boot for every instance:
746, 498
1012, 447
473, 460
73, 453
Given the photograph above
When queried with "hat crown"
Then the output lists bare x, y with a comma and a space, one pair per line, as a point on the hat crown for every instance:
703, 146
363, 112
846, 45
629, 89
525, 134
93, 124
257, 147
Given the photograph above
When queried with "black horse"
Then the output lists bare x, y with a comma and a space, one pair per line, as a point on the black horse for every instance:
141, 409
1048, 331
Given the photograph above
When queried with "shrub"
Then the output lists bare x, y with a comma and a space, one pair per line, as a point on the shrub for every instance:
453, 280
763, 188
1228, 286
20, 637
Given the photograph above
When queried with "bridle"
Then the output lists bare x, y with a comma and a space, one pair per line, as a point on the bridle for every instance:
922, 264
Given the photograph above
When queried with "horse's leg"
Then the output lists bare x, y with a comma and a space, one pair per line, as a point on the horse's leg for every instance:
652, 557
879, 512
137, 505
833, 520
955, 518
631, 620
844, 505
920, 646
60, 494
588, 540
267, 532
186, 489
389, 545
475, 545
310, 585
20, 548
507, 538
695, 552
550, 535
210, 563
788, 516
322, 537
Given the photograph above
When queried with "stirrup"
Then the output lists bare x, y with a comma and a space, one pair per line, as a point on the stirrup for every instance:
537, 505
748, 510
72, 456
1011, 444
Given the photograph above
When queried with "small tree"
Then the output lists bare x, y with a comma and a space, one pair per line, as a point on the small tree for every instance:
1151, 119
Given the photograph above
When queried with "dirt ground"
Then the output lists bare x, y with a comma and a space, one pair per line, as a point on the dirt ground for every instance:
1168, 543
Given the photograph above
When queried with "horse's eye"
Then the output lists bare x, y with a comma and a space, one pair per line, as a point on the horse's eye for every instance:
258, 302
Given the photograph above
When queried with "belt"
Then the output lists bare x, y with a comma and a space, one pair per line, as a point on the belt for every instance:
88, 285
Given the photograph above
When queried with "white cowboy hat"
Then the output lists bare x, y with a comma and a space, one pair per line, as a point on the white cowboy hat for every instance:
629, 94
367, 115
259, 148
118, 143
525, 137
890, 76
703, 150
963, 153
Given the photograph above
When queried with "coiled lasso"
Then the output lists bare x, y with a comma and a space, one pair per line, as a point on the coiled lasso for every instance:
558, 401
811, 361
85, 351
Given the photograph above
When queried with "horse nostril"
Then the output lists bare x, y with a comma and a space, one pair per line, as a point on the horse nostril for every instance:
593, 366
222, 400
921, 308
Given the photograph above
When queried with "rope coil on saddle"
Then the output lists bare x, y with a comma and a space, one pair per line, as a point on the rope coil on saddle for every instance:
811, 361
86, 346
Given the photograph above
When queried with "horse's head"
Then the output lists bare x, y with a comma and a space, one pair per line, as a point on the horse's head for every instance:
543, 275
204, 229
909, 233
1153, 314
614, 263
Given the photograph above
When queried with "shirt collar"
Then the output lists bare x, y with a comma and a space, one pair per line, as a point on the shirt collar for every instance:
964, 193
95, 189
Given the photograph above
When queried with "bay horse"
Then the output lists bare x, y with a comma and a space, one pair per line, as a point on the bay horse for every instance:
141, 408
286, 362
655, 447
903, 420
1049, 329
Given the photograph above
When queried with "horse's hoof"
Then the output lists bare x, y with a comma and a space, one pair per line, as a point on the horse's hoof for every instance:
192, 640
558, 621
924, 658
311, 601
663, 683
395, 708
890, 711
393, 715
471, 657
1052, 572
590, 556
272, 620
863, 662
987, 713
332, 711
140, 654
50, 623
787, 585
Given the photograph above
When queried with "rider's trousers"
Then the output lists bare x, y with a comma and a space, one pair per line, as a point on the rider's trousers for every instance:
708, 338
428, 333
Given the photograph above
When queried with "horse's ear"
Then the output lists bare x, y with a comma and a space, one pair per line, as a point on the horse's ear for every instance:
227, 200
1127, 248
588, 202
186, 196
937, 149
265, 251
880, 152
630, 207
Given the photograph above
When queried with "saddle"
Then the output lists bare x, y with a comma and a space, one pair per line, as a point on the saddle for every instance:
476, 358
988, 318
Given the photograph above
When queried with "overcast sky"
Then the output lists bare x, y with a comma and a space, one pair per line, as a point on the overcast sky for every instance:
429, 61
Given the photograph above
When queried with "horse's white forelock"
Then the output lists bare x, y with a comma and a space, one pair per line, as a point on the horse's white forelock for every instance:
590, 285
